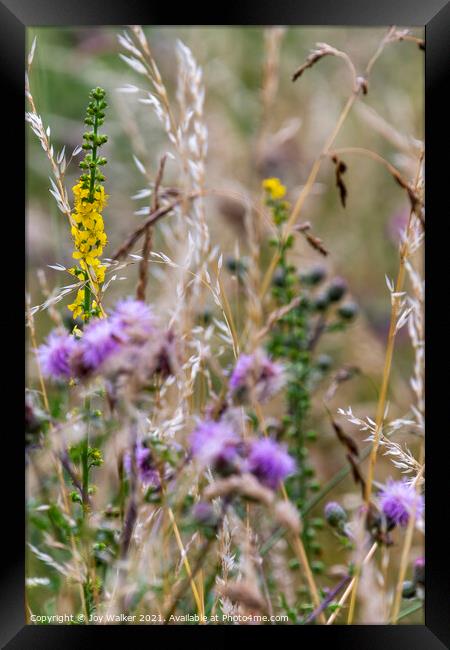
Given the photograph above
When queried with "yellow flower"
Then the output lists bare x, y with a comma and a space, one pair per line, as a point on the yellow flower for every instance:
89, 239
77, 307
99, 275
274, 187
87, 227
88, 223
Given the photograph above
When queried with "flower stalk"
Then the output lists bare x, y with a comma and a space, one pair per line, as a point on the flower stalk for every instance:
88, 232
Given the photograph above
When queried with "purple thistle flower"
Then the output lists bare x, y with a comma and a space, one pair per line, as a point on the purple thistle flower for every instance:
215, 444
256, 372
399, 500
55, 355
135, 318
145, 468
101, 338
241, 371
270, 462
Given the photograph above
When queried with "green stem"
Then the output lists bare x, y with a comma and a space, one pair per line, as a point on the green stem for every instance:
85, 461
85, 469
87, 300
94, 157
87, 290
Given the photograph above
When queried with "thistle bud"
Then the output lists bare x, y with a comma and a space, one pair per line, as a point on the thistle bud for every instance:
408, 589
324, 362
336, 289
348, 311
321, 302
335, 514
279, 278
314, 276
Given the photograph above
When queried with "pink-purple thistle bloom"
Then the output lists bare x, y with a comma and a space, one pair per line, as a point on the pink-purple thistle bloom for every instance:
270, 462
146, 470
258, 375
101, 338
135, 319
55, 355
399, 500
128, 329
215, 444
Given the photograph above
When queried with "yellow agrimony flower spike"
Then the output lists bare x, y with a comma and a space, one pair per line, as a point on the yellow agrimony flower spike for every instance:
89, 237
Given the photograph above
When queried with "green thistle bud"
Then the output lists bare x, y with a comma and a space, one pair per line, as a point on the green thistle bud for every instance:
313, 276
408, 589
348, 311
322, 302
335, 514
337, 289
279, 278
324, 362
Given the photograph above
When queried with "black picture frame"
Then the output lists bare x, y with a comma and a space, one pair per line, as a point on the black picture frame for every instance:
434, 15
